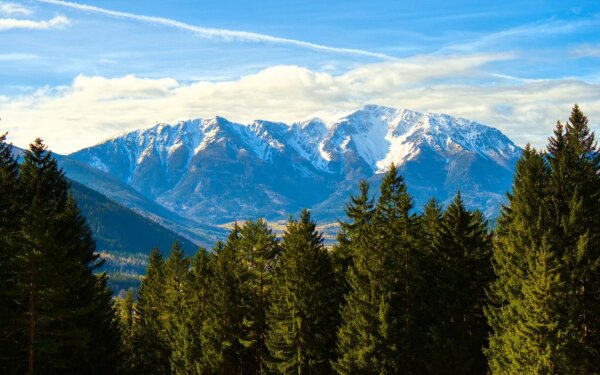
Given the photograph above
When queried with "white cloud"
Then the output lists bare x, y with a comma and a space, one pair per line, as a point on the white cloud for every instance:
10, 9
13, 23
225, 34
94, 108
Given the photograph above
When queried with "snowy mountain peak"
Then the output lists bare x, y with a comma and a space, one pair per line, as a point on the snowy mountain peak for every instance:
206, 158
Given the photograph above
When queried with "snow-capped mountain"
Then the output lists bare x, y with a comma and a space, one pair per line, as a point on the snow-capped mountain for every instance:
214, 170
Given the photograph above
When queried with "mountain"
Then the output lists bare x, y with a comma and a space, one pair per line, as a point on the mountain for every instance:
128, 197
119, 229
216, 171
123, 220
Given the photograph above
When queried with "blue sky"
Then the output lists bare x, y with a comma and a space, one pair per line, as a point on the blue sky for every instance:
76, 73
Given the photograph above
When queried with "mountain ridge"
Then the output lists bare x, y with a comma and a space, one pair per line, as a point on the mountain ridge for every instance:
215, 170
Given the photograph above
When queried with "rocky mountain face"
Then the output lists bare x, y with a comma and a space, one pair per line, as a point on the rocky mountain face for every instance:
215, 171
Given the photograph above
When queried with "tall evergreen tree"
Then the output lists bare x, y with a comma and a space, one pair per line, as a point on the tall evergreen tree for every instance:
125, 308
11, 342
303, 313
547, 304
187, 339
359, 212
258, 252
574, 192
530, 330
71, 326
378, 332
151, 349
461, 256
173, 315
222, 350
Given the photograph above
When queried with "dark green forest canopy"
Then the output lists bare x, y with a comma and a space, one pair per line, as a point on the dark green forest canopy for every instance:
401, 291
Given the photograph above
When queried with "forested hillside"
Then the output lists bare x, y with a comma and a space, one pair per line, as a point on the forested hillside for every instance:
401, 291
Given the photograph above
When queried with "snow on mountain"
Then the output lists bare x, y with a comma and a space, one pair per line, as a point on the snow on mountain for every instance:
216, 170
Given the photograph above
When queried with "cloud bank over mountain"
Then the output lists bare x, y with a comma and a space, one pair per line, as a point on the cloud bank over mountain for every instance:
94, 107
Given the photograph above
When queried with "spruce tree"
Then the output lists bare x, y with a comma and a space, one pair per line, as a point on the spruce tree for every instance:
11, 342
258, 252
151, 348
222, 350
461, 260
530, 333
303, 312
359, 212
70, 323
173, 315
187, 350
379, 331
574, 193
125, 308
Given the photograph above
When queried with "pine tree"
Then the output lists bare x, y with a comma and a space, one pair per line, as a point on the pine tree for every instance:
71, 327
187, 340
222, 351
359, 212
545, 318
125, 308
354, 334
379, 332
11, 342
303, 314
173, 314
258, 252
461, 259
151, 349
529, 332
574, 192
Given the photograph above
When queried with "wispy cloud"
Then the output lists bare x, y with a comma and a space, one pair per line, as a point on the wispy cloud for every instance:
17, 56
13, 23
10, 9
547, 27
225, 34
586, 51
93, 108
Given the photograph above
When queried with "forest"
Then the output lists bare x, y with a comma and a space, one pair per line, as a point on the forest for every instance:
402, 291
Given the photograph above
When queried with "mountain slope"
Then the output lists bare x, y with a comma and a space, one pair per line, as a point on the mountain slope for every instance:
216, 171
120, 229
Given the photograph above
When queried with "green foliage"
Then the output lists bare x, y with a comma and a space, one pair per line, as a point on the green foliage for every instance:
119, 229
151, 351
65, 320
303, 312
11, 342
187, 351
258, 250
378, 331
222, 350
545, 310
400, 292
460, 270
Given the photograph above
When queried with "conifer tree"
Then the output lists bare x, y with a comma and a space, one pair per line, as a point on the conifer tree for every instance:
71, 327
574, 192
187, 340
222, 350
303, 313
11, 342
461, 259
529, 332
359, 212
125, 311
151, 349
379, 329
173, 315
258, 252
